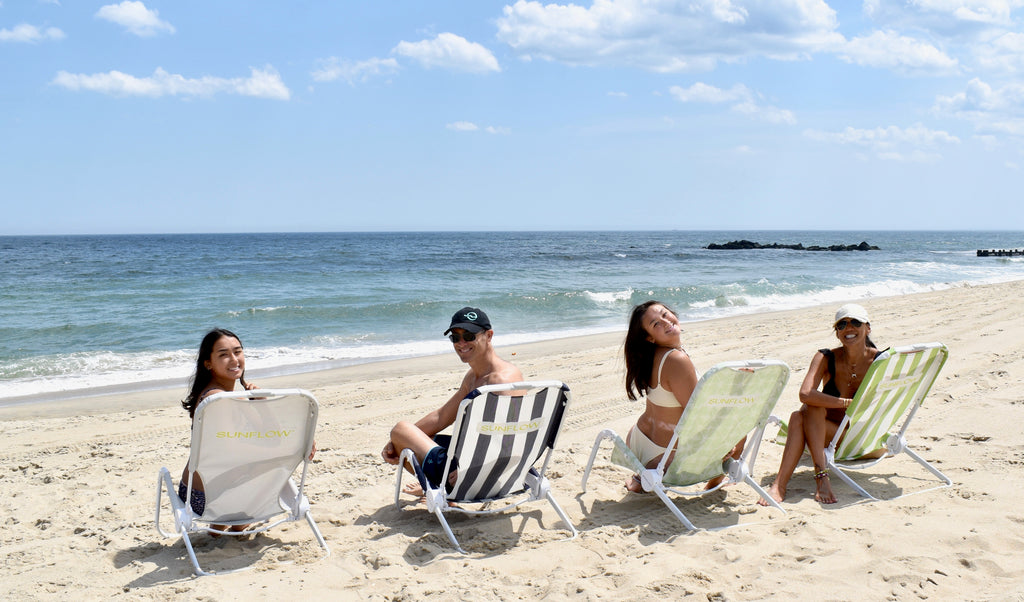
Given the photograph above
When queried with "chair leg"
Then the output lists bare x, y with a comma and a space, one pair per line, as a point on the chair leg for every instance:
448, 530
673, 508
605, 434
562, 514
926, 464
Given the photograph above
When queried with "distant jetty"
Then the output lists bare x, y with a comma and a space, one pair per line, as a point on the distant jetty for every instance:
746, 244
1000, 252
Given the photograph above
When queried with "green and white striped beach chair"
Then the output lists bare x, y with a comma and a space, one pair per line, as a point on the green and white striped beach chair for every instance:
894, 386
731, 401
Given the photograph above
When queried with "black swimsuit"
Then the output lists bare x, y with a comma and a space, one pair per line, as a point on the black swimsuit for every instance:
830, 388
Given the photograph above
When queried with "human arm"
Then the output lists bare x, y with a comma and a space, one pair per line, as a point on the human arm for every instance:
419, 436
809, 393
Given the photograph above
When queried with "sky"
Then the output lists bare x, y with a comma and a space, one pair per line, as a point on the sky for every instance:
162, 116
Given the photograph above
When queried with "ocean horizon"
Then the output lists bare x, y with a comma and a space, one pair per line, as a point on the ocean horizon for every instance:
87, 313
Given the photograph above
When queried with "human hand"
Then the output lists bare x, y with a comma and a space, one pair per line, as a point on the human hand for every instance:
389, 453
312, 452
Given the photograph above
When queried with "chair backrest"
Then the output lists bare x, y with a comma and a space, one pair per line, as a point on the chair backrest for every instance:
500, 433
894, 386
246, 445
730, 400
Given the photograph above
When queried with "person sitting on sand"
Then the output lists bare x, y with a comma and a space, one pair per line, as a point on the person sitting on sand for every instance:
220, 362
840, 371
657, 366
471, 335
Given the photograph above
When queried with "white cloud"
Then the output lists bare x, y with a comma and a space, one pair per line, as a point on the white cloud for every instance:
668, 35
265, 83
889, 50
469, 126
135, 17
353, 71
449, 51
916, 143
30, 33
742, 98
1003, 53
463, 126
922, 12
991, 110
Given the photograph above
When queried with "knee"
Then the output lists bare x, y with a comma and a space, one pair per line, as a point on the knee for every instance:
796, 420
401, 430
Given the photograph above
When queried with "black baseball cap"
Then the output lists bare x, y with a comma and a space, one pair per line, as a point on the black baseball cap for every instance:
469, 319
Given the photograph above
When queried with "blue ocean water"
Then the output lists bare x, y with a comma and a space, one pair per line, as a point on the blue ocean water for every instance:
86, 311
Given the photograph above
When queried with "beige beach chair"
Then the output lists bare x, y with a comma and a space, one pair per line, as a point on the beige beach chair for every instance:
894, 387
245, 446
499, 435
732, 400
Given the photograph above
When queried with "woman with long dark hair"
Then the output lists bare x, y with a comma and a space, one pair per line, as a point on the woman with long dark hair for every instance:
658, 368
219, 365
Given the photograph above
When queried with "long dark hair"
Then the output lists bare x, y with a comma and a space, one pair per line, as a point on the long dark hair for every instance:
639, 352
202, 376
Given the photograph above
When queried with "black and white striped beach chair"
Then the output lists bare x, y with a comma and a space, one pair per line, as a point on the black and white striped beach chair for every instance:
499, 434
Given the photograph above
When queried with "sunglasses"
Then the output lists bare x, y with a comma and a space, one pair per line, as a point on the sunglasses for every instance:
469, 337
841, 324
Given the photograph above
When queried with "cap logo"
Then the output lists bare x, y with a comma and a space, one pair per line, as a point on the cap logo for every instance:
470, 315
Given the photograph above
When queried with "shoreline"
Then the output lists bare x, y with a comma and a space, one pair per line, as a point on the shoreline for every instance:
162, 393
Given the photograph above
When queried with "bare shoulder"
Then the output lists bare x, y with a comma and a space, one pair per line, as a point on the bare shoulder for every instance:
679, 360
502, 372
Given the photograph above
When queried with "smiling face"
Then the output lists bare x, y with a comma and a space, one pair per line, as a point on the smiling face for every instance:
227, 362
661, 326
467, 350
850, 331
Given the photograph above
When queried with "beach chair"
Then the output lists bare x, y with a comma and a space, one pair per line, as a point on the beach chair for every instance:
245, 446
731, 400
894, 386
499, 434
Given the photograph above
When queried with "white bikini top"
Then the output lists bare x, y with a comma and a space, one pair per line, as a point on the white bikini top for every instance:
659, 395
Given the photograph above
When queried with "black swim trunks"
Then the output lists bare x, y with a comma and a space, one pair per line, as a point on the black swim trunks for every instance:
198, 498
433, 463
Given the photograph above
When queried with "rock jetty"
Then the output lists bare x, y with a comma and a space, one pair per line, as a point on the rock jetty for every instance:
1000, 252
746, 244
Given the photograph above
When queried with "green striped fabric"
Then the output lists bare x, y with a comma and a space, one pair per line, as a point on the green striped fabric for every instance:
893, 386
728, 402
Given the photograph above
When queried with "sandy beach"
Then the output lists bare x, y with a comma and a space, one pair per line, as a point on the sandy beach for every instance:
79, 483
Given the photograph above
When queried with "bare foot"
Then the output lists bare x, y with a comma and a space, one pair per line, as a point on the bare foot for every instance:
413, 489
824, 489
634, 485
778, 494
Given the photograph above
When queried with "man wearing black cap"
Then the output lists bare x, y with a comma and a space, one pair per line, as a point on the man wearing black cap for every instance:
471, 334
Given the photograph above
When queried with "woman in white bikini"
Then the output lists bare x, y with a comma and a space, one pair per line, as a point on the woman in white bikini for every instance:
658, 368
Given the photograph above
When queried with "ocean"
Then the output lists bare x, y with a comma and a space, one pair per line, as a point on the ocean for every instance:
128, 311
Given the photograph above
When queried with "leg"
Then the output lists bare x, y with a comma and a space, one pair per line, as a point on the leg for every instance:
646, 451
790, 458
818, 430
407, 435
735, 454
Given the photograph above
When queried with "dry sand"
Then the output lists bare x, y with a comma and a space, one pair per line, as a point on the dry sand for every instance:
79, 484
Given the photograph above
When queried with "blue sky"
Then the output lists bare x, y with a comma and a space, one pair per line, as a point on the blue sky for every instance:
188, 116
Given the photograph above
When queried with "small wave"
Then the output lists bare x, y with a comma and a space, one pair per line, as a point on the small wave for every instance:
609, 298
